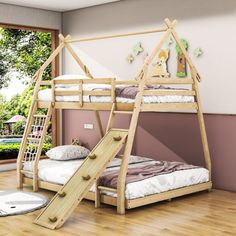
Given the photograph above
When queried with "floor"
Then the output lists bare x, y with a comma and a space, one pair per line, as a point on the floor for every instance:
202, 214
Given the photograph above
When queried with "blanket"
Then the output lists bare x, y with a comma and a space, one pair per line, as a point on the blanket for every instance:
131, 91
109, 178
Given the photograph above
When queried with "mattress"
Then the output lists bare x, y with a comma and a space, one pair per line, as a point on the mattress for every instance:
58, 172
46, 96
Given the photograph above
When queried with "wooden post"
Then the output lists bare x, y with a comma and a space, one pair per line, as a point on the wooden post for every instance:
202, 125
98, 119
133, 125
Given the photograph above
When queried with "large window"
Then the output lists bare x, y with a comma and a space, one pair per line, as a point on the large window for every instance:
22, 52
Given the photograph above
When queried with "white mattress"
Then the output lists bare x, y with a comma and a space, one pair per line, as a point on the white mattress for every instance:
46, 96
59, 172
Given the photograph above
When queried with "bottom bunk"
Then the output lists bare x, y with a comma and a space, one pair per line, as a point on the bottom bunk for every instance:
140, 190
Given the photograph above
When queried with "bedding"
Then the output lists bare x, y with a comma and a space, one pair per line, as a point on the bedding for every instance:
59, 172
123, 95
67, 152
135, 174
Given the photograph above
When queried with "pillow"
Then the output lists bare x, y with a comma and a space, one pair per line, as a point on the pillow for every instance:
67, 152
68, 77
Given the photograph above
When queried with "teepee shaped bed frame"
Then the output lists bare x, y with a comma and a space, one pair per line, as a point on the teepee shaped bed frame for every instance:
77, 187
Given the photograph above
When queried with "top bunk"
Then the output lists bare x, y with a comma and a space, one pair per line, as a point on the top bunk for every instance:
80, 92
150, 93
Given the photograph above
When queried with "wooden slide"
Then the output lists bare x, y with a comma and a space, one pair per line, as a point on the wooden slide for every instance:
70, 195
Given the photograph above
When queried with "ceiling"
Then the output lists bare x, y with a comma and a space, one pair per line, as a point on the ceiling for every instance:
57, 5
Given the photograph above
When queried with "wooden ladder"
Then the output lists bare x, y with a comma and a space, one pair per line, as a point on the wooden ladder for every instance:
32, 144
70, 195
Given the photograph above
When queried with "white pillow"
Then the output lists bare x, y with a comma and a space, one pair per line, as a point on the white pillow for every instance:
67, 152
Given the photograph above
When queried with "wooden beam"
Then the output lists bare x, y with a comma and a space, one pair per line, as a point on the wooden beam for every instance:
163, 29
99, 122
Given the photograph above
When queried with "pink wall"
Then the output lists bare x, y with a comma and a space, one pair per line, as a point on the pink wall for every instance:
169, 136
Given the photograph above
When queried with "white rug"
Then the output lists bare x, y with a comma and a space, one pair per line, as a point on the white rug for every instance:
16, 203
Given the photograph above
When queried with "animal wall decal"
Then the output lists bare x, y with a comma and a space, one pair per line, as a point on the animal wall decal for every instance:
137, 49
197, 52
181, 60
130, 58
159, 68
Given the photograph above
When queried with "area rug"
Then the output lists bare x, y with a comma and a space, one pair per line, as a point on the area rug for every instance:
17, 203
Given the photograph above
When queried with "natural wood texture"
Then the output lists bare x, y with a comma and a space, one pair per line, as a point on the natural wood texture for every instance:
202, 125
88, 106
76, 188
99, 122
169, 106
141, 80
117, 35
203, 213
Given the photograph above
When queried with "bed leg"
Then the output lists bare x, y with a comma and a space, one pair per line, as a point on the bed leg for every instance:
35, 183
97, 195
19, 180
120, 203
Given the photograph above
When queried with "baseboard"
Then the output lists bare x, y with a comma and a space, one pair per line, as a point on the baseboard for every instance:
7, 167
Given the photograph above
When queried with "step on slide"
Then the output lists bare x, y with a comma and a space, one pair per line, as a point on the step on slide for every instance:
70, 195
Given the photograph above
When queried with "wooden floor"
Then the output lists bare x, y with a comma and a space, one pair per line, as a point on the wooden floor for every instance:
203, 213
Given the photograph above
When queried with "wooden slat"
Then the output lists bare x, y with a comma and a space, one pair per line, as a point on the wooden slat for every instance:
46, 83
168, 81
124, 112
168, 92
33, 139
85, 81
88, 106
169, 106
168, 195
113, 190
133, 82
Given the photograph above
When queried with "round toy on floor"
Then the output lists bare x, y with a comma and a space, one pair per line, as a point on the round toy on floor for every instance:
17, 203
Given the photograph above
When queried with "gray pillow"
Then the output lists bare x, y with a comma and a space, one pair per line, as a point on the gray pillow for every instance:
67, 152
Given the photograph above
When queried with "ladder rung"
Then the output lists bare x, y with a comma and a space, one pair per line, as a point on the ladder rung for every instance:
107, 189
33, 139
120, 129
34, 135
41, 116
123, 112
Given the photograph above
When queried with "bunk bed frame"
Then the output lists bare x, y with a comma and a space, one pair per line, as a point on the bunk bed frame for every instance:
52, 217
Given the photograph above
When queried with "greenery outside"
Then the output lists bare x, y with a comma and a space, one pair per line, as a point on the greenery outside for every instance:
22, 52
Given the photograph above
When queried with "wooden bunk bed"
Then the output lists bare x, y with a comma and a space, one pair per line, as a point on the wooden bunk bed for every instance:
112, 141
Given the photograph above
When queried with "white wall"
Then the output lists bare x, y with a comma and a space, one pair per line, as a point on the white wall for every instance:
12, 14
206, 24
